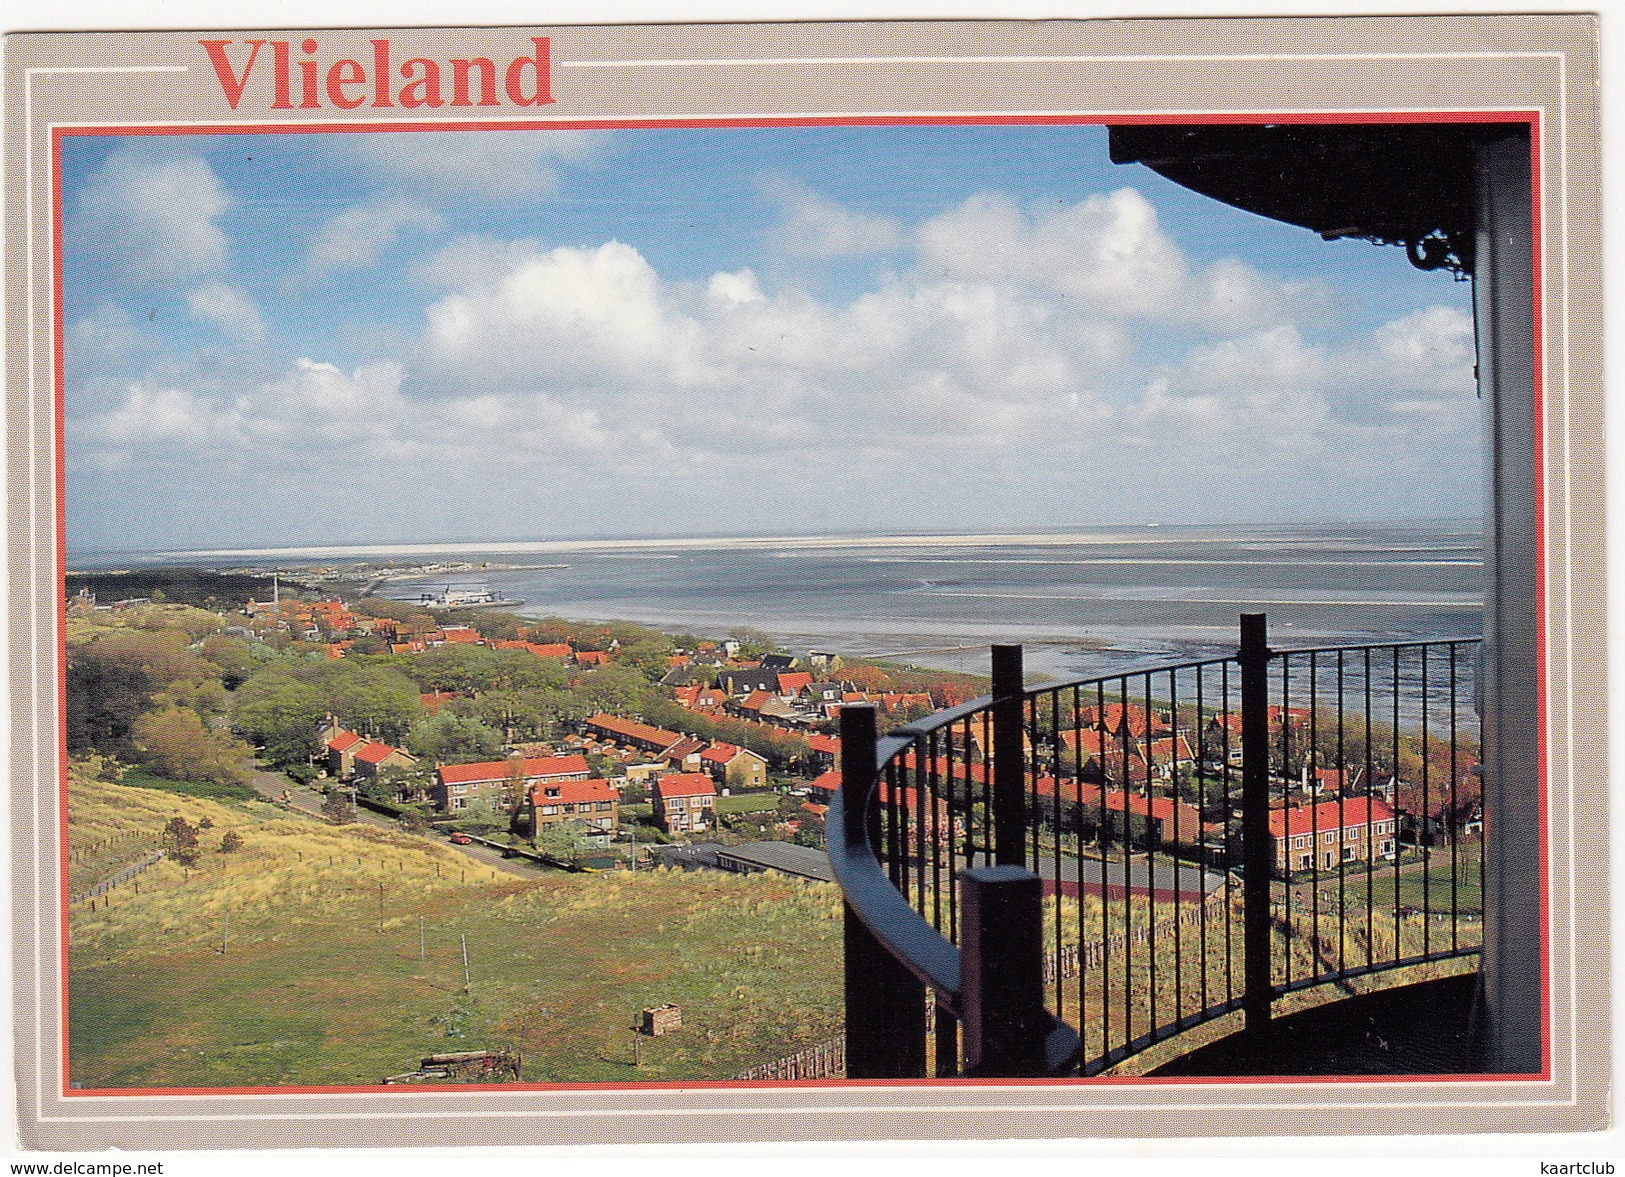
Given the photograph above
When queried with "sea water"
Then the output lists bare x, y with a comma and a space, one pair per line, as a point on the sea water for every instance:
1083, 602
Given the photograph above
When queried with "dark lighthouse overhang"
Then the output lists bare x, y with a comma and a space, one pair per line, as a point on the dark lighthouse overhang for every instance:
1394, 184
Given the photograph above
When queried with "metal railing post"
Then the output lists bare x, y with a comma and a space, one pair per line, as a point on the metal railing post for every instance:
885, 1003
1001, 939
1257, 850
1009, 814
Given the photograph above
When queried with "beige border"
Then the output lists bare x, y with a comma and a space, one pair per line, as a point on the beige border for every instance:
733, 71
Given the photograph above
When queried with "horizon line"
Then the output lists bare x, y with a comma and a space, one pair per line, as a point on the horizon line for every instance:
1124, 532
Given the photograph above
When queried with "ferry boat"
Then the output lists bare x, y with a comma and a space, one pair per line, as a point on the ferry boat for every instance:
466, 597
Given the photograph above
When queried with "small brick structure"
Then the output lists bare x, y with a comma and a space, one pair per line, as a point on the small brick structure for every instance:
662, 1019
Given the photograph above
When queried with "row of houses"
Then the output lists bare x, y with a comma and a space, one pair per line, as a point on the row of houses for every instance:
792, 700
732, 766
545, 789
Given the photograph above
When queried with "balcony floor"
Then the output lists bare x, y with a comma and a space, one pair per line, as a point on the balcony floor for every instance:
1424, 1029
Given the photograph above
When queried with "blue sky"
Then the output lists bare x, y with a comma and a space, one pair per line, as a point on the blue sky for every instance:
279, 339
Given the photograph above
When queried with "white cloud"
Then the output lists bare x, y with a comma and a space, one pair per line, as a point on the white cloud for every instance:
228, 308
1107, 255
1430, 349
580, 389
1264, 391
492, 165
814, 227
355, 237
104, 340
150, 217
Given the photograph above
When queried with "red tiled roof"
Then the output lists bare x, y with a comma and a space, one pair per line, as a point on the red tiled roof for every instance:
1328, 815
685, 784
461, 633
828, 781
344, 741
792, 681
683, 749
376, 753
592, 657
631, 729
819, 742
498, 770
435, 700
572, 792
720, 753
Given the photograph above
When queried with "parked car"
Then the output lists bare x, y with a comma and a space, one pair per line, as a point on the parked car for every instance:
458, 838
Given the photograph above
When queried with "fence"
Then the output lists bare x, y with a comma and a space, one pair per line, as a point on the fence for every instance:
823, 1060
1258, 823
123, 876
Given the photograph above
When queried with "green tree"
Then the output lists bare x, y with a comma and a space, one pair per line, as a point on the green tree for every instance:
175, 743
282, 711
180, 841
616, 689
231, 842
453, 739
564, 841
337, 806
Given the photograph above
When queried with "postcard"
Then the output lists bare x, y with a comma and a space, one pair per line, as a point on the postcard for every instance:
679, 583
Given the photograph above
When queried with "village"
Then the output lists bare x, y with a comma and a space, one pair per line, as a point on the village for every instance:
589, 745
624, 780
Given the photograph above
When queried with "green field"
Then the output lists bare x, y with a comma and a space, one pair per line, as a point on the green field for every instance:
296, 960
749, 803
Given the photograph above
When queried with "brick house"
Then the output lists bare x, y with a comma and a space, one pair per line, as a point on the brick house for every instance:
501, 783
594, 802
1320, 837
684, 802
341, 746
734, 767
645, 737
376, 755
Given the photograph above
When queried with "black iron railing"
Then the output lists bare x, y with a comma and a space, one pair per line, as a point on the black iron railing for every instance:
1054, 879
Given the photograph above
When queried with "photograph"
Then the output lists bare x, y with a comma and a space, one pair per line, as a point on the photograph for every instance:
663, 579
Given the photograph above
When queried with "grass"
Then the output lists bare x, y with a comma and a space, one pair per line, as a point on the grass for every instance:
142, 779
295, 961
749, 803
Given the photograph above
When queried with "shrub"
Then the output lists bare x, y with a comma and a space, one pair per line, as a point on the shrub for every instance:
180, 841
231, 842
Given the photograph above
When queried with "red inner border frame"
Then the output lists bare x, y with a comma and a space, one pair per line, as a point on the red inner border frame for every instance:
1531, 119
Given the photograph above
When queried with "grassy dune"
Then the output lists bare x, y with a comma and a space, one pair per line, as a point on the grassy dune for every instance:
295, 960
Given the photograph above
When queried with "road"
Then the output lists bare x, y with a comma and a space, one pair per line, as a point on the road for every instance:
272, 785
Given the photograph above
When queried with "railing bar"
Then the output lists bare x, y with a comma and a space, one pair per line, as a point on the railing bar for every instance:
985, 751
1229, 874
1395, 806
1370, 867
1455, 802
1175, 859
896, 851
1201, 840
1077, 823
1030, 772
1427, 860
970, 799
1342, 823
924, 771
1105, 889
1124, 735
1055, 818
1286, 815
1150, 880
1313, 768
949, 848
